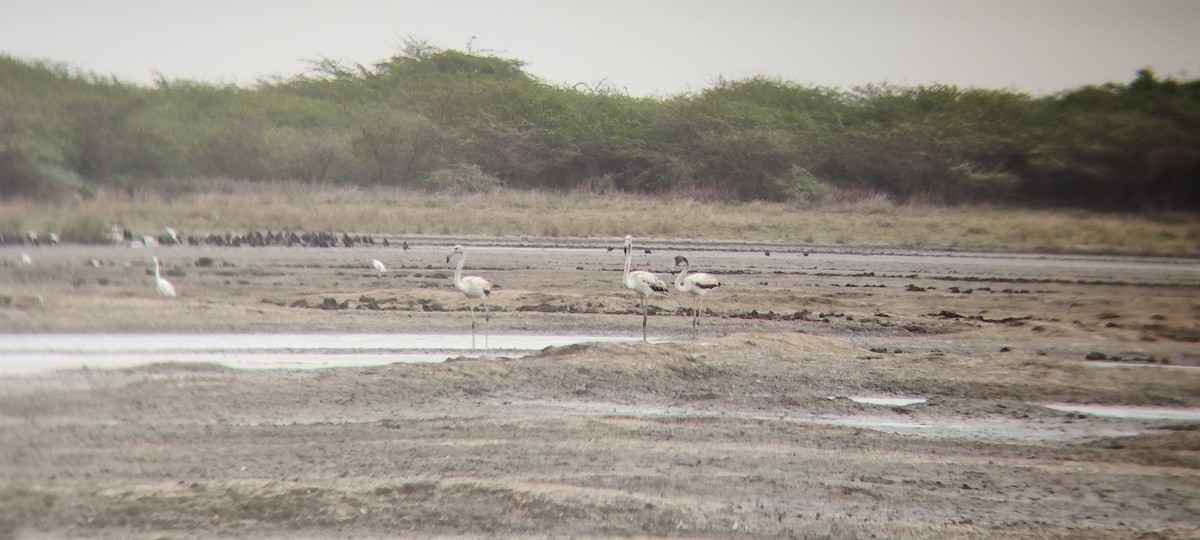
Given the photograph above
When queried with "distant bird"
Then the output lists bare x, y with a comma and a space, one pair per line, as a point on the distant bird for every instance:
52, 237
164, 287
697, 285
474, 287
404, 245
172, 235
25, 259
641, 282
767, 252
31, 237
378, 265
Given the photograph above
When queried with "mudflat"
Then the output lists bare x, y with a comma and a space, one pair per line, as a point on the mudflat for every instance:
773, 420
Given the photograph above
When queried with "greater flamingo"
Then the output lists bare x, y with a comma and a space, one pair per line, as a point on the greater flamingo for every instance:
641, 282
378, 265
164, 287
473, 287
697, 285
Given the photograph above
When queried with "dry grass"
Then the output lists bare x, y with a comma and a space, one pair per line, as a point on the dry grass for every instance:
232, 206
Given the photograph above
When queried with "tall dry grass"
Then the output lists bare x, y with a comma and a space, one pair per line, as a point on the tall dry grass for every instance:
234, 206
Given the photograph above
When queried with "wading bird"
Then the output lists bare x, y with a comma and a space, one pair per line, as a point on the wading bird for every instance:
473, 287
641, 282
378, 265
697, 285
164, 287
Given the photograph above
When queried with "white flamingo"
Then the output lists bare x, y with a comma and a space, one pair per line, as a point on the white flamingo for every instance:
473, 287
164, 287
641, 282
378, 265
697, 285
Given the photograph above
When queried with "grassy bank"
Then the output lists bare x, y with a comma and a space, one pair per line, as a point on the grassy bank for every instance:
230, 206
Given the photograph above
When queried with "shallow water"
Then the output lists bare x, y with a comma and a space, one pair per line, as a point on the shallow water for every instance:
884, 401
926, 426
35, 353
1128, 412
719, 258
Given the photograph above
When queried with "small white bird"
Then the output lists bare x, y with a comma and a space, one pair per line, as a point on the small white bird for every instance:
25, 259
378, 265
473, 287
697, 285
641, 282
164, 287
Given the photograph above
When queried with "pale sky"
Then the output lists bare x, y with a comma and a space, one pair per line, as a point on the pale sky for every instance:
645, 47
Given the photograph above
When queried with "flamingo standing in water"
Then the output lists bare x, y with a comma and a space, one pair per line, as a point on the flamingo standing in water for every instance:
164, 287
697, 285
641, 282
473, 287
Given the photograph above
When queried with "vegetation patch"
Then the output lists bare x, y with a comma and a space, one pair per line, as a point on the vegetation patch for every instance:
449, 121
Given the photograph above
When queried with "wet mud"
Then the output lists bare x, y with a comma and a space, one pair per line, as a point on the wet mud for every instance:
778, 419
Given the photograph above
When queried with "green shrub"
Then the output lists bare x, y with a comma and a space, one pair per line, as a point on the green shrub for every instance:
799, 184
461, 178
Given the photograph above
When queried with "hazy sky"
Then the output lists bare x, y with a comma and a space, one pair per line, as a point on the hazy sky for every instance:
647, 47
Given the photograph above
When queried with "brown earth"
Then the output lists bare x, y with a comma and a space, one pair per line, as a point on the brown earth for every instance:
746, 431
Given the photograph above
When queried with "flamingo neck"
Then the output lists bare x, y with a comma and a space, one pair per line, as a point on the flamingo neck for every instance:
679, 285
458, 283
628, 263
156, 277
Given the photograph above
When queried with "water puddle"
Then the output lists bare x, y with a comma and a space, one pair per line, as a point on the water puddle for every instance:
926, 426
882, 401
1132, 365
1127, 412
38, 353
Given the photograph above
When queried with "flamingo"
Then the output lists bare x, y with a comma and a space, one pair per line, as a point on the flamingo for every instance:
641, 282
697, 285
378, 265
473, 287
164, 287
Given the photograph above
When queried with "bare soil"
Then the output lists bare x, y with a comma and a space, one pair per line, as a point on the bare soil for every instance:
745, 430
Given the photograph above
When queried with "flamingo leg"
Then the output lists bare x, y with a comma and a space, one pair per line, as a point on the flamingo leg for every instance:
644, 314
695, 316
485, 324
472, 327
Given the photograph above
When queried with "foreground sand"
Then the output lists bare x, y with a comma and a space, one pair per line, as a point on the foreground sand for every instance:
744, 431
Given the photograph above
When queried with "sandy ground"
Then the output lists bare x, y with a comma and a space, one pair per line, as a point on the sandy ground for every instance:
747, 430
